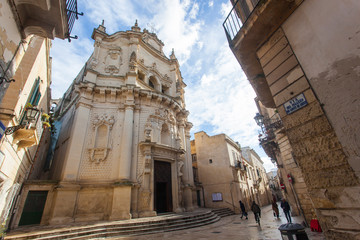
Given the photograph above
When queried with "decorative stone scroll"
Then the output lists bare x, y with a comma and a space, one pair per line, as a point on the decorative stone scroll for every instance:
113, 60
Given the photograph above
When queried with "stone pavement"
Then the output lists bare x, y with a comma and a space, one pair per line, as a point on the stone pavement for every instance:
233, 227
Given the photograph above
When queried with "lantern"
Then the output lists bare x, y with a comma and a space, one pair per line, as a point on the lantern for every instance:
32, 114
259, 119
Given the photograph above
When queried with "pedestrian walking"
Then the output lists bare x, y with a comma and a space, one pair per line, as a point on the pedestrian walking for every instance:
286, 208
275, 209
257, 212
243, 211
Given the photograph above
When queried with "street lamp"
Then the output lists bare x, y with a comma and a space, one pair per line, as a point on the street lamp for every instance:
31, 116
259, 119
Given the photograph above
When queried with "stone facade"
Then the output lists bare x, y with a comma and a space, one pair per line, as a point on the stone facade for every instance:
276, 144
257, 178
308, 53
123, 148
236, 173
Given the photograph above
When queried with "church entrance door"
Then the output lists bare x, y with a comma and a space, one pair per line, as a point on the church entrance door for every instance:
162, 187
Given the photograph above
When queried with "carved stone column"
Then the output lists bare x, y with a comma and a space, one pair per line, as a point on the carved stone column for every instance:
127, 138
146, 200
187, 168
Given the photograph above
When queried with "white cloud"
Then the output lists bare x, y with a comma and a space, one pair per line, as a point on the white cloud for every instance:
68, 59
269, 166
224, 99
178, 26
194, 11
113, 12
211, 3
225, 9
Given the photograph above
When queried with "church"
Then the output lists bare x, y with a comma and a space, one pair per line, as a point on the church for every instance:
121, 148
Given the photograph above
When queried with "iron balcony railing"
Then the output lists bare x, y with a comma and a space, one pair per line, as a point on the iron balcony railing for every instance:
238, 15
72, 14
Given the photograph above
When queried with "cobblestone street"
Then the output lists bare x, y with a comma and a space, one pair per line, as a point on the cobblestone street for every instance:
233, 227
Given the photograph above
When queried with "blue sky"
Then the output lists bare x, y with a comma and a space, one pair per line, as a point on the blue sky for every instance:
218, 95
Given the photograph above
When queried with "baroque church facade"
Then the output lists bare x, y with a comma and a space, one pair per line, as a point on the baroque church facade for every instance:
122, 144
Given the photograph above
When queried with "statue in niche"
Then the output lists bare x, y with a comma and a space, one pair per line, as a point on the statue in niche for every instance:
180, 165
113, 61
132, 63
148, 130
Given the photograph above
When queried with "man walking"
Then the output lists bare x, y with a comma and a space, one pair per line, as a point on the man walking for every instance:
257, 212
286, 208
243, 211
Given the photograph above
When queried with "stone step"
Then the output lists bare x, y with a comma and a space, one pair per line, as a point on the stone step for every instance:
223, 212
171, 222
145, 231
136, 229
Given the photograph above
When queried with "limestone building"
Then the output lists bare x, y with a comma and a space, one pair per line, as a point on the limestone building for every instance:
302, 59
223, 175
257, 178
26, 29
123, 144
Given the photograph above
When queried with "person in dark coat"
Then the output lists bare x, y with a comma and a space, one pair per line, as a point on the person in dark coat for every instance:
256, 210
243, 211
286, 208
275, 209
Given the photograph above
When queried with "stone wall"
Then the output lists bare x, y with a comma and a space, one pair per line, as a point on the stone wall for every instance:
317, 150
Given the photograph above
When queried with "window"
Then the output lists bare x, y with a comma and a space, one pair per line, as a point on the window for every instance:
151, 84
210, 161
35, 93
234, 157
217, 197
34, 97
164, 89
258, 173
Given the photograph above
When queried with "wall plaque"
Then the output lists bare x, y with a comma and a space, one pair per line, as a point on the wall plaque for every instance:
295, 104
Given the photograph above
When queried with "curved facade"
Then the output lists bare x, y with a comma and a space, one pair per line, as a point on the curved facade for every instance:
123, 149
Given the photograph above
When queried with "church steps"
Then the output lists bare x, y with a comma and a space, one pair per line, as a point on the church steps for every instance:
223, 212
163, 224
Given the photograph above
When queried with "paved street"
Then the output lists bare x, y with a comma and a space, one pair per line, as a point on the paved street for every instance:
233, 227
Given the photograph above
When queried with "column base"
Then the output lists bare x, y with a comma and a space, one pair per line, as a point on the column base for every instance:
121, 203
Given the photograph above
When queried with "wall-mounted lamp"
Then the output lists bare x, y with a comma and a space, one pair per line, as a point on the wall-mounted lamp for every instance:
31, 116
259, 119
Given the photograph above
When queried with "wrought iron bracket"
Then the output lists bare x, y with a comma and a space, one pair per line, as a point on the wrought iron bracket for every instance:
11, 130
4, 78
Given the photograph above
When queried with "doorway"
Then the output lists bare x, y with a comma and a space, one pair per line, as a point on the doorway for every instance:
33, 208
162, 187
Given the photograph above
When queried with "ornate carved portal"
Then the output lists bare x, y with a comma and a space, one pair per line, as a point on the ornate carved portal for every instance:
162, 187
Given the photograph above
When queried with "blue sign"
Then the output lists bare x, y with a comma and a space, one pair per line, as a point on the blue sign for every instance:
295, 104
2, 130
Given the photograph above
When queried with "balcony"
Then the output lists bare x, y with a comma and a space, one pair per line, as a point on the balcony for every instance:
239, 14
248, 25
267, 138
46, 18
240, 166
29, 132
